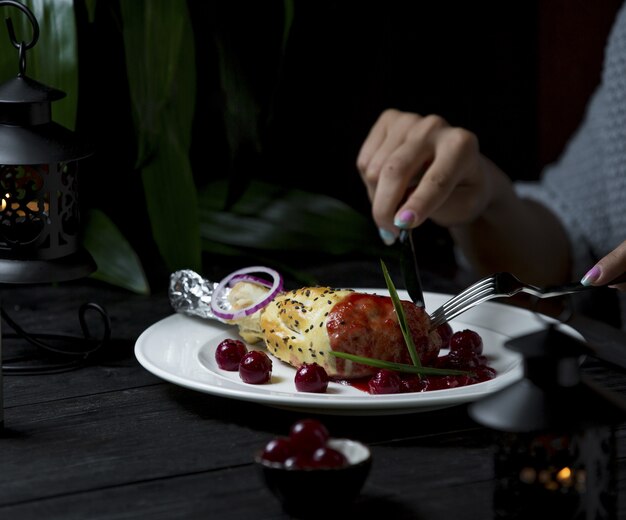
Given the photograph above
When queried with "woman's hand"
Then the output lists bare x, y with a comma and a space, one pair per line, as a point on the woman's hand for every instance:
608, 268
417, 167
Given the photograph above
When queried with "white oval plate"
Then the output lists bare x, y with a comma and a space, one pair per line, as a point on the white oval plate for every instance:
180, 349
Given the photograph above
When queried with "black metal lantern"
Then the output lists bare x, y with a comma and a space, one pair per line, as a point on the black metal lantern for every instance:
555, 454
39, 212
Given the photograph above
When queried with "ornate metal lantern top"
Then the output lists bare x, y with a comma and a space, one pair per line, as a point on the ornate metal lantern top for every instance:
27, 133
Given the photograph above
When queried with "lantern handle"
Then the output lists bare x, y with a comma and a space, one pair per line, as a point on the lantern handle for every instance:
21, 45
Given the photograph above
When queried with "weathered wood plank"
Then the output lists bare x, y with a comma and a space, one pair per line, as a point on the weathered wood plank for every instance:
54, 309
237, 493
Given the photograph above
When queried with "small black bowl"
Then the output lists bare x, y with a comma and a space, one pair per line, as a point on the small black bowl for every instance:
307, 492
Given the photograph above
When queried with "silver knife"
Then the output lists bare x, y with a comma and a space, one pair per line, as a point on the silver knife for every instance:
408, 265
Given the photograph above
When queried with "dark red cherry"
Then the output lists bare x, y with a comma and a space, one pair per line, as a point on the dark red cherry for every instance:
307, 435
299, 461
327, 457
277, 450
255, 367
384, 382
483, 373
229, 353
467, 341
462, 360
445, 382
311, 377
413, 383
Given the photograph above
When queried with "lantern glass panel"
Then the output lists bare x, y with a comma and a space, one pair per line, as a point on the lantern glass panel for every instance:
39, 215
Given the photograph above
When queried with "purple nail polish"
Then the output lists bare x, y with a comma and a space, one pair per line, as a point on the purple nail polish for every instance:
591, 276
404, 219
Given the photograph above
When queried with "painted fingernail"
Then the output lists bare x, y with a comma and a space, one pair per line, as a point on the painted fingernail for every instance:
404, 219
591, 276
387, 236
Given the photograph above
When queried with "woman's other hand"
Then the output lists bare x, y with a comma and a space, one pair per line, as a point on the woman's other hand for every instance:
608, 268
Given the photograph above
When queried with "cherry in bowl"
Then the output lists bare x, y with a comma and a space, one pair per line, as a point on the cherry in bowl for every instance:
299, 475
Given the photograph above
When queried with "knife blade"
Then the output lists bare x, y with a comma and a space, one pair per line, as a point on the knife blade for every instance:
408, 266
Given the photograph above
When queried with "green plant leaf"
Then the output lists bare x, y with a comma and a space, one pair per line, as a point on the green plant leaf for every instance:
171, 202
118, 264
160, 63
91, 10
271, 217
241, 109
289, 8
54, 58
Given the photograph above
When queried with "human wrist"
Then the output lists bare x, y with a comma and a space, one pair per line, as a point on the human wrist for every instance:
498, 189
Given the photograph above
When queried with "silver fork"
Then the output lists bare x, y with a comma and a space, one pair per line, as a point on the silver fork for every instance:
501, 285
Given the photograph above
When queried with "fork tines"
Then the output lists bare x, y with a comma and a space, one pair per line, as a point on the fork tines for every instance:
473, 295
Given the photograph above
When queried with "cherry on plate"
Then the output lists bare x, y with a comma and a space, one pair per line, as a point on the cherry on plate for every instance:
255, 368
466, 341
413, 383
229, 353
384, 382
311, 377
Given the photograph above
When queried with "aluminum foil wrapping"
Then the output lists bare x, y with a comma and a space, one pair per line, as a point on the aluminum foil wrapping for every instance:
191, 294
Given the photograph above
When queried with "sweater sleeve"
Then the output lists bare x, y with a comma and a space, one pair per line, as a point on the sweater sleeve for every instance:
586, 187
574, 191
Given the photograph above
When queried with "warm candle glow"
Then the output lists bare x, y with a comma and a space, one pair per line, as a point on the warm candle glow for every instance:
564, 474
528, 475
3, 202
565, 477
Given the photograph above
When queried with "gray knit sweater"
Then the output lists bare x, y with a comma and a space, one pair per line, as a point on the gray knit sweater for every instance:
586, 188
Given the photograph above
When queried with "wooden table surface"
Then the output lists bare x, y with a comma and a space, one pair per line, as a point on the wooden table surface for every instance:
113, 441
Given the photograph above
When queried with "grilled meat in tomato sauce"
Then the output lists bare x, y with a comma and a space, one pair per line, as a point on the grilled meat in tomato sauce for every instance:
304, 325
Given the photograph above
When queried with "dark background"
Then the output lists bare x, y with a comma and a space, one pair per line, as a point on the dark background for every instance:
518, 74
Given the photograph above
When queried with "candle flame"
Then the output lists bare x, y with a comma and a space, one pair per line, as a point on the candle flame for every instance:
564, 474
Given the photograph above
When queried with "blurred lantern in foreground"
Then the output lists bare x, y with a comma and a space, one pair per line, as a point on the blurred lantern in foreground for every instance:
555, 454
39, 212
